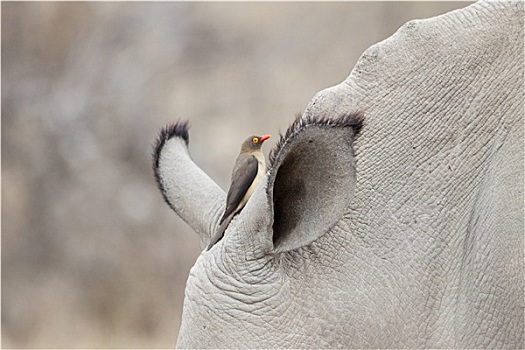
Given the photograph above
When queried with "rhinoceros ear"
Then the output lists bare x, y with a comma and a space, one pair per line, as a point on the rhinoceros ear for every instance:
312, 178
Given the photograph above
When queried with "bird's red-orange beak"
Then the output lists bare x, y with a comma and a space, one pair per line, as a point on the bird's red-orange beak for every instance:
265, 137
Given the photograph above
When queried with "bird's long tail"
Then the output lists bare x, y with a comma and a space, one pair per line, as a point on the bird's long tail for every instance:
220, 231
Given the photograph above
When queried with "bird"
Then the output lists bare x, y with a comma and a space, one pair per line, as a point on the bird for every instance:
249, 168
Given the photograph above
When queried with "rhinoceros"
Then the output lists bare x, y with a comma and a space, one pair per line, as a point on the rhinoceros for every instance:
391, 214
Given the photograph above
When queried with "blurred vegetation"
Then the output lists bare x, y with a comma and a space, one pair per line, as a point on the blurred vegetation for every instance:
91, 255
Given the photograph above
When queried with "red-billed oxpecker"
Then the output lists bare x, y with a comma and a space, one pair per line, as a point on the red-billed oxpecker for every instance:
249, 169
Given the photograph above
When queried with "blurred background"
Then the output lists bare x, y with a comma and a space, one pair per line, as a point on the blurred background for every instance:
91, 255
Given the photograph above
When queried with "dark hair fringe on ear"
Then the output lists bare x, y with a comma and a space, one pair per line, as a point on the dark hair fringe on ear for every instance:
178, 129
353, 120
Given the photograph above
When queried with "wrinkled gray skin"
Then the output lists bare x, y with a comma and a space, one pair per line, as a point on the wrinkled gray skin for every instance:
408, 235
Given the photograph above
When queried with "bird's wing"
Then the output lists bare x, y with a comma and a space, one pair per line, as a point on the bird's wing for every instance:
243, 174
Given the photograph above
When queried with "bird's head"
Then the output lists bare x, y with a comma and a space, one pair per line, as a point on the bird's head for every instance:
254, 142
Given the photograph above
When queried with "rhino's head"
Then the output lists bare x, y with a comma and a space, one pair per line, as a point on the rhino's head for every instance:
408, 236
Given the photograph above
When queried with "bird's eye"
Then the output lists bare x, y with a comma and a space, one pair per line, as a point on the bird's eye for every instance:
255, 140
